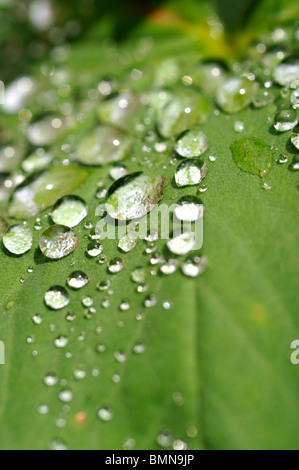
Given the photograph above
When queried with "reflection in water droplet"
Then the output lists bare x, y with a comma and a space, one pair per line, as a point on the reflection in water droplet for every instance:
286, 72
118, 172
94, 249
57, 298
61, 342
235, 94
50, 380
190, 172
134, 196
285, 120
69, 211
116, 265
58, 241
192, 144
66, 396
182, 244
139, 275
169, 267
18, 239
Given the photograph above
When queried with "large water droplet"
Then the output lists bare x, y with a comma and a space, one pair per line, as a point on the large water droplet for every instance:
295, 138
285, 120
58, 241
116, 265
37, 161
192, 144
18, 239
69, 211
252, 155
57, 298
105, 145
134, 196
182, 112
235, 94
288, 71
190, 172
45, 131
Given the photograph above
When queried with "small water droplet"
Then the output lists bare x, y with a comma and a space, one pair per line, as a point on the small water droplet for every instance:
116, 265
285, 120
189, 209
61, 342
94, 249
127, 244
235, 94
66, 396
190, 172
194, 267
50, 380
182, 244
169, 267
105, 414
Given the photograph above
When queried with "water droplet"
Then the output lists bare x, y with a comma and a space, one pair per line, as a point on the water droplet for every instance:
194, 267
103, 146
57, 298
77, 280
18, 239
125, 305
139, 275
252, 155
58, 241
120, 357
164, 439
118, 172
50, 380
182, 244
179, 445
43, 410
66, 396
134, 196
178, 399
87, 301
57, 445
105, 414
151, 301
127, 244
239, 126
46, 131
182, 112
295, 138
94, 249
169, 267
283, 159
263, 97
285, 120
190, 172
139, 348
192, 144
235, 94
295, 98
61, 342
116, 265
287, 71
37, 319
189, 209
37, 161
79, 373
69, 211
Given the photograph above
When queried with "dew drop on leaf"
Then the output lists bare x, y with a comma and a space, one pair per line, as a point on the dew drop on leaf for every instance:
139, 274
50, 380
295, 137
189, 209
127, 244
57, 298
103, 146
105, 414
116, 265
77, 280
252, 155
18, 239
285, 120
190, 172
58, 241
61, 342
94, 249
192, 144
69, 211
235, 94
169, 267
182, 244
135, 195
194, 267
288, 71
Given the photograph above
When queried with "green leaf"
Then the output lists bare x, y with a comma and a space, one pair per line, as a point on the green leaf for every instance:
208, 363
